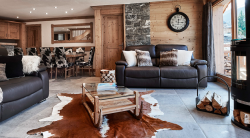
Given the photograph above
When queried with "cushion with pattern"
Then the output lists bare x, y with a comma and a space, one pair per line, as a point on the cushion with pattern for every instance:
2, 73
143, 58
169, 58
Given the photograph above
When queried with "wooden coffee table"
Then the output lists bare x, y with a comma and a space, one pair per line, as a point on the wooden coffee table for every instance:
99, 103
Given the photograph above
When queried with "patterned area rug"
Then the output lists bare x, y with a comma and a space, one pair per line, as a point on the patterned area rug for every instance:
71, 120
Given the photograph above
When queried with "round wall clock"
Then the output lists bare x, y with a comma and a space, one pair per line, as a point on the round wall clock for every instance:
178, 21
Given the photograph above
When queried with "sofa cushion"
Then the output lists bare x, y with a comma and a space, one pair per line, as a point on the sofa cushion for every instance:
17, 88
168, 47
178, 72
150, 48
143, 58
142, 72
169, 58
14, 65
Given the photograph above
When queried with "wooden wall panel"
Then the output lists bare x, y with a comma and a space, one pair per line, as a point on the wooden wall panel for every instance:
192, 36
100, 12
23, 40
218, 38
98, 42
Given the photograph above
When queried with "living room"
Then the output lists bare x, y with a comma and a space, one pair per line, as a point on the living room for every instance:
155, 68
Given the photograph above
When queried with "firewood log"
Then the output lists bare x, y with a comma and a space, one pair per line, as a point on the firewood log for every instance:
209, 108
237, 118
217, 111
201, 106
207, 98
224, 108
216, 102
236, 112
244, 118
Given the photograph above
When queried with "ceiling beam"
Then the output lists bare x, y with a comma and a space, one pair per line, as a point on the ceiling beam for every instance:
60, 18
226, 5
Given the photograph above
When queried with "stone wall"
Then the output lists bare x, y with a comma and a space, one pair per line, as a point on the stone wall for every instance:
137, 24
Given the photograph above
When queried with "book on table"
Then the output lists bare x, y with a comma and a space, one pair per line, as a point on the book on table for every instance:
107, 87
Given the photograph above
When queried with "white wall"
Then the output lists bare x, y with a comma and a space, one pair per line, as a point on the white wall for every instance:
46, 32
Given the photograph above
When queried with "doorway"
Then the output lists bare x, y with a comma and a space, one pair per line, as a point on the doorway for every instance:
112, 40
34, 36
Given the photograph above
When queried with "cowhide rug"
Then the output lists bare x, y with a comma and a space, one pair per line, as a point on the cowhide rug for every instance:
71, 120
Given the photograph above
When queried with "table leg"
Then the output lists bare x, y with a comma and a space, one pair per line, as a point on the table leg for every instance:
83, 94
96, 109
136, 103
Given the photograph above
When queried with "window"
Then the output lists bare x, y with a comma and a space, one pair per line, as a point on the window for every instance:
241, 23
227, 28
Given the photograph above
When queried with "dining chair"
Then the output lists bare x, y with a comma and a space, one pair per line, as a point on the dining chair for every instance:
61, 62
47, 59
31, 51
18, 51
87, 65
80, 50
68, 50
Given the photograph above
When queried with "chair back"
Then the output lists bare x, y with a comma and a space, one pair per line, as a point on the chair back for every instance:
80, 50
46, 56
60, 57
68, 50
18, 51
31, 51
91, 55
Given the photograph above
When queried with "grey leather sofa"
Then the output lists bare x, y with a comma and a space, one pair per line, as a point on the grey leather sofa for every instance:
161, 77
21, 93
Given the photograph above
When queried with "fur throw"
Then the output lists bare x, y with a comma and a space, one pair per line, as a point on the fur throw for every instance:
30, 64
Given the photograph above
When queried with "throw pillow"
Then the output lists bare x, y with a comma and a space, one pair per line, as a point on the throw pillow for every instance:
184, 57
169, 58
2, 73
30, 64
14, 66
143, 58
130, 57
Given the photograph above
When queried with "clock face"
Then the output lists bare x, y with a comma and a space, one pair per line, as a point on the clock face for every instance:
178, 22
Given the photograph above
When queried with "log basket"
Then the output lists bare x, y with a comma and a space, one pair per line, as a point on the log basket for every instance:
198, 97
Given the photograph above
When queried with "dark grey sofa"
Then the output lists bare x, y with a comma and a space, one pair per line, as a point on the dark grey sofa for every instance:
161, 77
21, 93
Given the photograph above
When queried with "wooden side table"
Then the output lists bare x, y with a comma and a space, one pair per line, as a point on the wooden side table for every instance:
99, 105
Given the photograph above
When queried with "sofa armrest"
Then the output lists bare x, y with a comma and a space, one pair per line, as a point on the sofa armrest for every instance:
195, 62
202, 72
121, 62
43, 75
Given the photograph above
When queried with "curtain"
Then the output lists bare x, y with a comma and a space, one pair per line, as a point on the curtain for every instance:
208, 40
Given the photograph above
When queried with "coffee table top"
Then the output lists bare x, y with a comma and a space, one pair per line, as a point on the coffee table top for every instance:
107, 93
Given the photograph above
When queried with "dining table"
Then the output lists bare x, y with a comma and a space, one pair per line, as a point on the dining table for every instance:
71, 57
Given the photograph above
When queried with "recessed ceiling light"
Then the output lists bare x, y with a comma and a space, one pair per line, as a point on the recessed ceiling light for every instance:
46, 13
66, 12
72, 9
17, 17
34, 8
55, 7
30, 11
